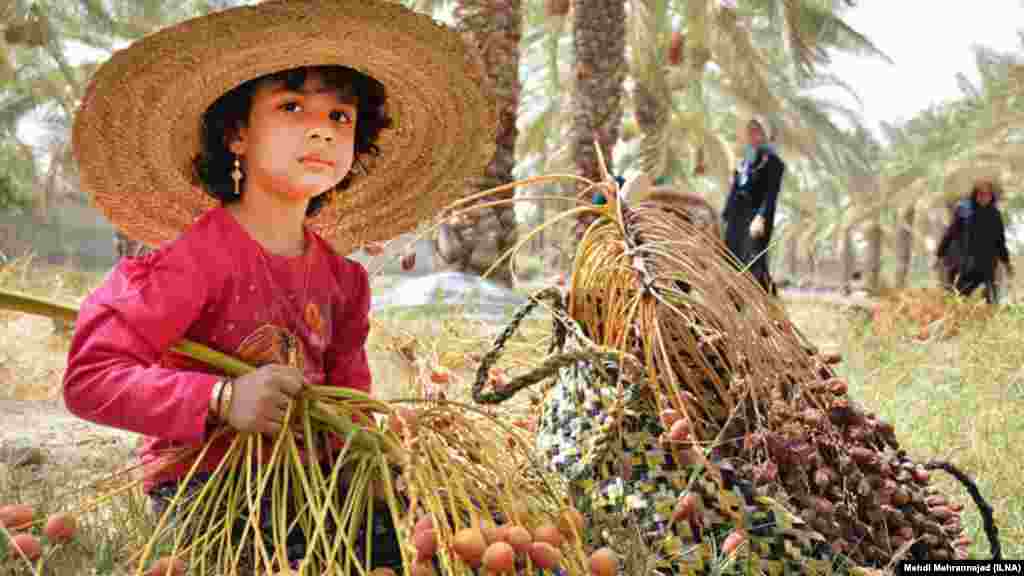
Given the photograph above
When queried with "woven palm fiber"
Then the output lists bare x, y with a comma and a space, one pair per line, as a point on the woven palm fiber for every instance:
697, 208
776, 448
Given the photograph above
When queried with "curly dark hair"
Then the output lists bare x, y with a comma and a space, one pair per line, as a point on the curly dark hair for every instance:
215, 161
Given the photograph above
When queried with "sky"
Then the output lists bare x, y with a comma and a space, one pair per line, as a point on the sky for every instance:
929, 42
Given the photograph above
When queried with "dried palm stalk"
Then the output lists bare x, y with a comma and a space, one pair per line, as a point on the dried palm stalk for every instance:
442, 460
469, 470
720, 353
599, 430
649, 282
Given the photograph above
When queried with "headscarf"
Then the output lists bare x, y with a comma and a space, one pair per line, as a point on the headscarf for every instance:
750, 153
997, 189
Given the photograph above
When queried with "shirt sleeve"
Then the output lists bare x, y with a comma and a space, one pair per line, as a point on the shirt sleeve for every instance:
347, 363
114, 376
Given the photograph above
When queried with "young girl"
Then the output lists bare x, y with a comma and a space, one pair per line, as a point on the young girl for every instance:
253, 149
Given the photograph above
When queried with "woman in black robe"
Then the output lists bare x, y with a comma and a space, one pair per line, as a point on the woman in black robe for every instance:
749, 215
978, 235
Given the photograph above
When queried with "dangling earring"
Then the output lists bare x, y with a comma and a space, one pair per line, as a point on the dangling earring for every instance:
359, 168
236, 175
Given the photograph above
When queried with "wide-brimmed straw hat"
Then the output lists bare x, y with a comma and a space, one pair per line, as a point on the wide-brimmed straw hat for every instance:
137, 131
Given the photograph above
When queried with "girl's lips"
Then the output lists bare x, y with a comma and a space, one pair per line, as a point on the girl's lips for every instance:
316, 160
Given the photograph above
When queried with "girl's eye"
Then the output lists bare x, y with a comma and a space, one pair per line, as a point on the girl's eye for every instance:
291, 107
341, 116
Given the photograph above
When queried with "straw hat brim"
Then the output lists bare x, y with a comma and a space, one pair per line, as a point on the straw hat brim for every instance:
137, 130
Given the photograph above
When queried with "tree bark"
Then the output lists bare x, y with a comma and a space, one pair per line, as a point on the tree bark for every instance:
599, 42
874, 256
793, 257
474, 243
905, 246
849, 258
812, 263
650, 107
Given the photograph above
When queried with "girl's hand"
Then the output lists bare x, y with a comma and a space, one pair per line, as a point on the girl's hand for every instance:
260, 399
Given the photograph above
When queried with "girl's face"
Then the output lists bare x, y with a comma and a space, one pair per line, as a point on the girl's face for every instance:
297, 143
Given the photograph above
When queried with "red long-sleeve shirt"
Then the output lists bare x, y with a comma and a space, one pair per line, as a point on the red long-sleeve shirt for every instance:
214, 285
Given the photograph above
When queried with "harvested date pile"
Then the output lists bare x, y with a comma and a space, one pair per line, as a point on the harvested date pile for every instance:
927, 313
846, 474
732, 385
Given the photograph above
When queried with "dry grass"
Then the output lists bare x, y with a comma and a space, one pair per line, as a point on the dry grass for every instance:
405, 348
960, 399
105, 538
33, 349
31, 357
928, 313
414, 345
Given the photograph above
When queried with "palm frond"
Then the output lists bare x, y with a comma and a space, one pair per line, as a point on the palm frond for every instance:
742, 63
833, 32
13, 107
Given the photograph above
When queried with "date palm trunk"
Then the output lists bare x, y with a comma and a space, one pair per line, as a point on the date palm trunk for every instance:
905, 246
849, 258
652, 118
472, 244
874, 255
599, 43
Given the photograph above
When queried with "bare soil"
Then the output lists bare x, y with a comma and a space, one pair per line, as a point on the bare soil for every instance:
44, 432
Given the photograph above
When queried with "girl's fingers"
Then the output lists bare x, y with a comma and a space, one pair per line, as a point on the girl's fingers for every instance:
291, 387
282, 402
270, 428
279, 413
274, 421
291, 381
287, 380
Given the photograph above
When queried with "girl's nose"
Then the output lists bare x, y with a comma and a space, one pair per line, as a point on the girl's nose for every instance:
320, 134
